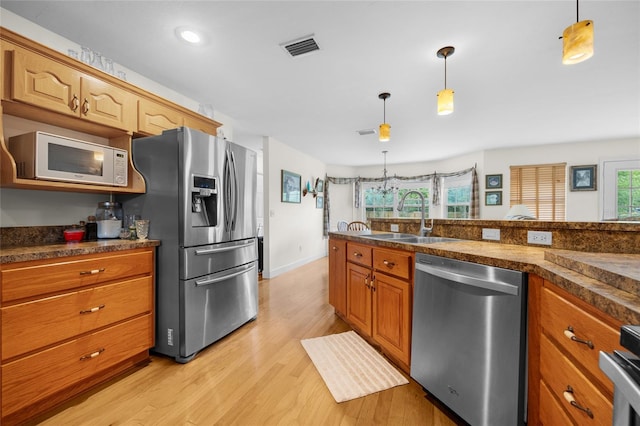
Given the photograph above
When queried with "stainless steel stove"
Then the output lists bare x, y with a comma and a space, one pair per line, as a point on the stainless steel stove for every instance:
623, 368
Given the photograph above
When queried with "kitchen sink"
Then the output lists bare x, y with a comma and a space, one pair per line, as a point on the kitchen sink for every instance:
409, 238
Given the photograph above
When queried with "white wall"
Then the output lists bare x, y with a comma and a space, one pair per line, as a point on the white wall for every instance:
293, 233
582, 206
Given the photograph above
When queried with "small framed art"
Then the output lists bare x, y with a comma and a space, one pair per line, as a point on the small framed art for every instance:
291, 187
493, 181
493, 198
319, 185
583, 178
319, 202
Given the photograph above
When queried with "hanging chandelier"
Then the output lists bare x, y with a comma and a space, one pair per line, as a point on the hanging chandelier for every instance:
388, 185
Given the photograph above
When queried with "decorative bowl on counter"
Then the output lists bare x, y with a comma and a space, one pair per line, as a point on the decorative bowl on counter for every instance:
73, 234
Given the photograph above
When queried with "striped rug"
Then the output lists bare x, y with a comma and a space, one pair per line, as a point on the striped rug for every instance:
350, 367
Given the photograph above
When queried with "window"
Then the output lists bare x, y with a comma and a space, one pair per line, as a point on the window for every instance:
541, 188
621, 190
457, 196
380, 206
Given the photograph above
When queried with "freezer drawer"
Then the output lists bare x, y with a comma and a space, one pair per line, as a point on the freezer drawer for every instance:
203, 260
215, 305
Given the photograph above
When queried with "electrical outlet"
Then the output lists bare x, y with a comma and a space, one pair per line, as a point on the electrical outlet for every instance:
490, 234
539, 237
394, 227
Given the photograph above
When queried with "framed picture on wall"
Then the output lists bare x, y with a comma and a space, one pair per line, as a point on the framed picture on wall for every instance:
493, 181
493, 198
319, 202
291, 187
583, 178
319, 185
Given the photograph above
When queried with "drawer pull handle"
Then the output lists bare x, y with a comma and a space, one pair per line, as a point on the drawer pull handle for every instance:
85, 106
94, 309
570, 334
92, 272
389, 264
568, 395
91, 355
356, 254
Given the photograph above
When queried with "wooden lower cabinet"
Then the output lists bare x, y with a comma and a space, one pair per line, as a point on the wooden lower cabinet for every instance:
566, 336
338, 275
94, 321
379, 298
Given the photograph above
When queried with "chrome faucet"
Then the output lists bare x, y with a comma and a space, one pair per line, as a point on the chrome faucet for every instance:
424, 231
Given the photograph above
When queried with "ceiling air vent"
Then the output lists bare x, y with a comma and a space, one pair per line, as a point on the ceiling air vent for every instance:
301, 46
365, 132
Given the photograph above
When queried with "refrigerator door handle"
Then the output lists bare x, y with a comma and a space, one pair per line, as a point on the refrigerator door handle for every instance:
223, 249
227, 192
234, 192
200, 283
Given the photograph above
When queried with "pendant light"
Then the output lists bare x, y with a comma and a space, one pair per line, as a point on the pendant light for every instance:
577, 41
445, 96
385, 129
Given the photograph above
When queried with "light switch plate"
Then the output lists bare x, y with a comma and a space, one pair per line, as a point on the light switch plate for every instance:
491, 234
539, 237
394, 227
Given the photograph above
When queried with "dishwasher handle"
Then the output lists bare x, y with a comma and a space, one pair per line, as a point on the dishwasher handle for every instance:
498, 286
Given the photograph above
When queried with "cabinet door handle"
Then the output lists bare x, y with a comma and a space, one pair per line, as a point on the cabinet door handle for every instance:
366, 281
570, 334
91, 310
568, 395
389, 264
85, 106
92, 272
75, 103
91, 355
334, 248
373, 283
357, 254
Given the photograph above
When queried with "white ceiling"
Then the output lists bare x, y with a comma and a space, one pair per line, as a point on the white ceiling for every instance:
511, 88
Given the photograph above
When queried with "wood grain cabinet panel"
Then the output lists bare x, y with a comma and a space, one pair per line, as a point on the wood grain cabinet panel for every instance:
338, 275
205, 126
45, 83
553, 414
29, 379
380, 297
154, 118
71, 323
67, 315
562, 376
392, 315
23, 280
105, 104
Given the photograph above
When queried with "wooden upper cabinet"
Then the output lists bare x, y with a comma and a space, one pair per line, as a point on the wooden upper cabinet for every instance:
45, 83
205, 126
106, 104
154, 118
48, 84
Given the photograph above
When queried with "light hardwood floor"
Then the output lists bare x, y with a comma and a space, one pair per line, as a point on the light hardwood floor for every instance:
259, 375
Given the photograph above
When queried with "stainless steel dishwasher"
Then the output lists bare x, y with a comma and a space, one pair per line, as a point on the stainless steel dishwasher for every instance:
469, 339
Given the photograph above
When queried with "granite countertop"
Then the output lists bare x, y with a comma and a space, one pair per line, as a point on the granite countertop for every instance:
608, 281
14, 254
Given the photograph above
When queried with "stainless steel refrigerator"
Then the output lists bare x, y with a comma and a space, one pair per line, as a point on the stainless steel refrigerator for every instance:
200, 200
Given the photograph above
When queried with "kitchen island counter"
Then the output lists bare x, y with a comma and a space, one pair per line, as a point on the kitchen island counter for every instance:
612, 287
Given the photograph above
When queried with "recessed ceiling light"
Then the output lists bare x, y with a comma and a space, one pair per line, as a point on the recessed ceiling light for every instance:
189, 35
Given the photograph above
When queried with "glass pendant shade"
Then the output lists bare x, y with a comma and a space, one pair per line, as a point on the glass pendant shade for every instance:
385, 132
445, 102
577, 42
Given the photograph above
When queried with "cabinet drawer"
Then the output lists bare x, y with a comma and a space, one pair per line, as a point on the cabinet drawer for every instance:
557, 314
359, 253
558, 372
552, 414
393, 262
32, 325
32, 378
29, 279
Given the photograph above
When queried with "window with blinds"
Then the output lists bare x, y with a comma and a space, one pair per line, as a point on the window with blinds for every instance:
541, 188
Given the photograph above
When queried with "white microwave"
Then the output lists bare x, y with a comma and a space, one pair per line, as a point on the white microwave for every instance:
41, 155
